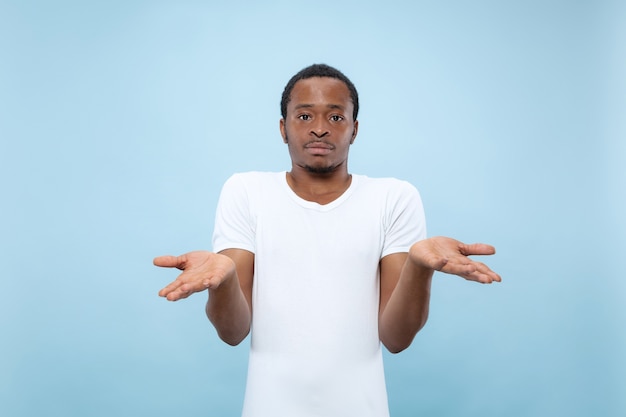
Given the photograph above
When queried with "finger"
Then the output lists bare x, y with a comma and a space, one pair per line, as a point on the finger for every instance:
463, 269
477, 249
471, 271
167, 261
496, 277
174, 291
484, 275
171, 287
177, 295
185, 290
174, 285
487, 272
186, 284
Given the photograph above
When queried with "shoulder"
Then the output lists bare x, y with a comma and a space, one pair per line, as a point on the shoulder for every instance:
388, 186
394, 197
252, 188
252, 176
253, 179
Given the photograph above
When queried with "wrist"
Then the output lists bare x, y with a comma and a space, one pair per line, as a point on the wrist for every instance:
418, 255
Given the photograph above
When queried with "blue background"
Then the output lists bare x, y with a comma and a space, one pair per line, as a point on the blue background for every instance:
120, 120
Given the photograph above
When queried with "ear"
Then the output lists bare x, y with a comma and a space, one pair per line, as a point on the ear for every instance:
283, 133
354, 132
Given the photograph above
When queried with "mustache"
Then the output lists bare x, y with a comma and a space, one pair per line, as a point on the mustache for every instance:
318, 141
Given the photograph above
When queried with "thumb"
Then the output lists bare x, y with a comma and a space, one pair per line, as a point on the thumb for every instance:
167, 261
477, 249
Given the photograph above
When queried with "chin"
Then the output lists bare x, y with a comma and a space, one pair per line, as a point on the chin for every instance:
319, 169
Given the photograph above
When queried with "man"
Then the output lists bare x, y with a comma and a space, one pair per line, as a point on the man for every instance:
319, 264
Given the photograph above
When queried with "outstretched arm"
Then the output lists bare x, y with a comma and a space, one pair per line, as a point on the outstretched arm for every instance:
228, 278
405, 281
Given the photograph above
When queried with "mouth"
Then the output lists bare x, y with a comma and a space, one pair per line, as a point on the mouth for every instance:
319, 148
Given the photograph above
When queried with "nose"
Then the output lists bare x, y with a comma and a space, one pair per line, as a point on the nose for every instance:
319, 128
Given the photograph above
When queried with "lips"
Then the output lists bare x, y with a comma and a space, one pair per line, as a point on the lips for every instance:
319, 145
318, 148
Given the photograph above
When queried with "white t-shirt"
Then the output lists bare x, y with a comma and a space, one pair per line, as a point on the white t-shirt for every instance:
315, 349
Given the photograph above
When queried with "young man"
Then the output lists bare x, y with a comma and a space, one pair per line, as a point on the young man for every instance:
319, 264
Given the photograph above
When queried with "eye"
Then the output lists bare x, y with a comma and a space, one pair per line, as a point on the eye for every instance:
336, 118
304, 117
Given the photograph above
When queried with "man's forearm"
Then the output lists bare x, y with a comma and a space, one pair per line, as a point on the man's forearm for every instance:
229, 311
406, 311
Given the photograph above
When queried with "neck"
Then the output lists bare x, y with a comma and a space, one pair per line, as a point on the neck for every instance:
322, 188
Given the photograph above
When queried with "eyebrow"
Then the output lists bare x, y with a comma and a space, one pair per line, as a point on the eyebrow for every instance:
330, 106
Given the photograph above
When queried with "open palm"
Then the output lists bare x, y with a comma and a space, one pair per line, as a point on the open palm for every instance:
452, 257
201, 270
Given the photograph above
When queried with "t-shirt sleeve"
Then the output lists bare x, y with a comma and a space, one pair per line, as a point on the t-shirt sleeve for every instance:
234, 225
405, 222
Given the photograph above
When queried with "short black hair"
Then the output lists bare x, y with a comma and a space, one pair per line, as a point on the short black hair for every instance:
319, 70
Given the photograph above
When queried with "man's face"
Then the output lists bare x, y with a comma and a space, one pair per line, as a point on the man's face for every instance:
318, 127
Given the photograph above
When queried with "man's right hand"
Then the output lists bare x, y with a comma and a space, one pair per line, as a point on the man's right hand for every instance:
201, 270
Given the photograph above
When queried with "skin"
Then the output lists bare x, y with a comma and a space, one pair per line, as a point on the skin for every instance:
318, 130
